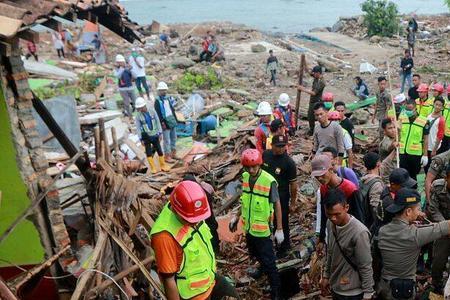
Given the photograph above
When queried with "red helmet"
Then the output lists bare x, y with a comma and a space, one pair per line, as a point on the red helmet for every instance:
438, 87
251, 158
189, 201
327, 97
422, 88
334, 116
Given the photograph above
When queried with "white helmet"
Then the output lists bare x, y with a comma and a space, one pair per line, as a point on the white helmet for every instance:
264, 109
400, 98
140, 102
120, 58
162, 86
284, 99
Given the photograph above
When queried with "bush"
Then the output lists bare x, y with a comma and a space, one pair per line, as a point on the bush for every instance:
190, 82
448, 3
381, 17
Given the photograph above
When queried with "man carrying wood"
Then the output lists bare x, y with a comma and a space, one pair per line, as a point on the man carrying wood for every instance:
259, 200
184, 254
316, 95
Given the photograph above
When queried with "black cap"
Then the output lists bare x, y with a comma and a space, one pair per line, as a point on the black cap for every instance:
404, 197
401, 177
317, 69
279, 140
275, 125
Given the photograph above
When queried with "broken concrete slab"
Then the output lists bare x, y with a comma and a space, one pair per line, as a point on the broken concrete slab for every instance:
64, 111
121, 129
47, 70
224, 232
93, 118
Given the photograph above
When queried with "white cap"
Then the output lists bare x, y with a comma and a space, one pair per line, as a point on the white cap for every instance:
264, 109
162, 86
140, 102
284, 99
120, 58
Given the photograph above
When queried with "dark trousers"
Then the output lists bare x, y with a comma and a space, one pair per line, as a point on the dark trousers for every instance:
311, 117
284, 201
262, 249
411, 163
445, 145
441, 251
152, 145
341, 297
142, 82
273, 74
29, 54
222, 289
60, 52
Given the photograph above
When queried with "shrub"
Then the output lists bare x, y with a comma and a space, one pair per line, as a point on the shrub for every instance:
381, 17
190, 82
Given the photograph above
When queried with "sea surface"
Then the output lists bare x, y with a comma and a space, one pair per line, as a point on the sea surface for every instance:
288, 16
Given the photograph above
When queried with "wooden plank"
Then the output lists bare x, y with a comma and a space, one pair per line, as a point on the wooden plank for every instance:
29, 35
5, 49
100, 88
300, 82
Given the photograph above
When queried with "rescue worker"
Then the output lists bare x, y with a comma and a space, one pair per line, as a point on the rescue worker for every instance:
149, 130
262, 132
166, 113
438, 90
318, 86
437, 169
347, 160
439, 210
282, 167
413, 139
259, 200
424, 104
283, 111
400, 243
181, 241
327, 99
446, 113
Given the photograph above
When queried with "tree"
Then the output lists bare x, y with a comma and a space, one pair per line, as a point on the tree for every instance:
381, 17
448, 3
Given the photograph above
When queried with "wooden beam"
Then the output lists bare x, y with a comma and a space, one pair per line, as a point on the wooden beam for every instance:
29, 35
88, 16
299, 93
5, 292
5, 49
53, 24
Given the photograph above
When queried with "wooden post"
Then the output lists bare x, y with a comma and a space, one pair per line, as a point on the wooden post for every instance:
300, 82
103, 137
116, 151
395, 114
97, 143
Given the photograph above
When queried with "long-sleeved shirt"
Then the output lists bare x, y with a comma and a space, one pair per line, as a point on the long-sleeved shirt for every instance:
406, 64
383, 104
125, 78
439, 207
374, 193
354, 239
400, 243
328, 136
262, 132
156, 124
437, 130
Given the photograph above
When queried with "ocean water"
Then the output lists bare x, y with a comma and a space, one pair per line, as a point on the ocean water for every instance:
288, 16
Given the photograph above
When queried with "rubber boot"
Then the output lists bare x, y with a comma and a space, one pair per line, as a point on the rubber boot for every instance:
151, 162
162, 164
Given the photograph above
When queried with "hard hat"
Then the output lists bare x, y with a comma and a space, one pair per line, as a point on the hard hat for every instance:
189, 201
264, 109
400, 98
284, 99
334, 116
438, 87
422, 88
140, 102
162, 86
327, 97
251, 158
120, 58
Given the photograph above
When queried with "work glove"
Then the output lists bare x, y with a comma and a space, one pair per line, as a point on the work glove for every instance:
279, 236
233, 224
424, 161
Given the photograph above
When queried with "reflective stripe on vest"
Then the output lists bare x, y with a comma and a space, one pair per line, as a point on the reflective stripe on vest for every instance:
197, 271
255, 205
144, 126
412, 135
446, 114
424, 108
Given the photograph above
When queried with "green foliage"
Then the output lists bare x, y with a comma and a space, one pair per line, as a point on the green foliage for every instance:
448, 3
381, 17
190, 82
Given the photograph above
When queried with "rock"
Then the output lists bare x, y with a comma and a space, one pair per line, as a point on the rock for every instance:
243, 36
183, 62
319, 29
238, 92
193, 50
338, 26
328, 65
242, 73
375, 39
423, 35
260, 84
393, 43
258, 48
360, 116
87, 98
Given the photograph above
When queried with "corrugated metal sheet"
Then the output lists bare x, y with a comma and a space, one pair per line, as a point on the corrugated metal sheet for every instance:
16, 15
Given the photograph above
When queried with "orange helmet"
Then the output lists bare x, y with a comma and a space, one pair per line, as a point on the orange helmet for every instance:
189, 201
327, 97
334, 116
251, 158
422, 88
